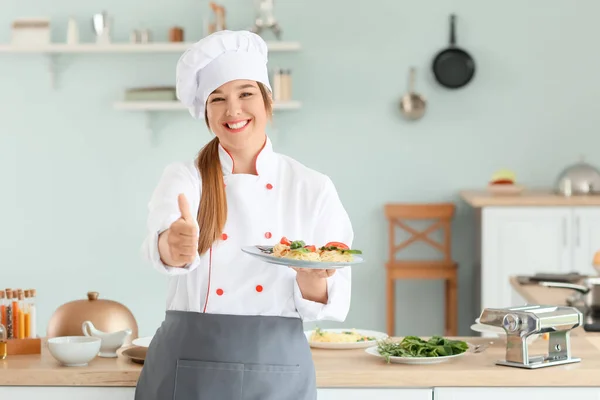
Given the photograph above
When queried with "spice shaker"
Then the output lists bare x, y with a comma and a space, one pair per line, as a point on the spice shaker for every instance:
145, 36
278, 85
134, 36
72, 31
176, 34
286, 83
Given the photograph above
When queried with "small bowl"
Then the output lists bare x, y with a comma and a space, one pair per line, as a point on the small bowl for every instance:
74, 351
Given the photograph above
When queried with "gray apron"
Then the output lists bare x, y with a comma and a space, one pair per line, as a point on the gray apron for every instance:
196, 356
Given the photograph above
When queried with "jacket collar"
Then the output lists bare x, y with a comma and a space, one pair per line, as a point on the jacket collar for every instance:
264, 161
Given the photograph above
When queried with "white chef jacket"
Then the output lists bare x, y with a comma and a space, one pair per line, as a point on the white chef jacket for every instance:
287, 199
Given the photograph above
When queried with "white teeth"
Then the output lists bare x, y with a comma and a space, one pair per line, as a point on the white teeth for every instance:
237, 125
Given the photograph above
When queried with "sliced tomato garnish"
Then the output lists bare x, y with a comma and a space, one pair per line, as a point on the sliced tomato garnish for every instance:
285, 241
311, 248
339, 245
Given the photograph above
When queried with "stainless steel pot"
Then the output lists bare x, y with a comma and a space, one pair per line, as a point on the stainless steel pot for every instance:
588, 293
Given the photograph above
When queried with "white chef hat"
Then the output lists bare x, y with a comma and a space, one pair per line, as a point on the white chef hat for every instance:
217, 59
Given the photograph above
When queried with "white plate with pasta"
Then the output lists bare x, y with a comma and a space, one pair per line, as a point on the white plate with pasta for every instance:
298, 254
343, 339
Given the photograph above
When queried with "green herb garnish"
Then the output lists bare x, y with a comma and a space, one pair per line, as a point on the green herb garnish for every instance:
332, 248
297, 244
413, 346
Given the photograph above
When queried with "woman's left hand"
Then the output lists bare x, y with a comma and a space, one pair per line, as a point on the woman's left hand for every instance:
314, 273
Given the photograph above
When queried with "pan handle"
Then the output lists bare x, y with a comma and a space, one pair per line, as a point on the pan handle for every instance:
581, 289
452, 29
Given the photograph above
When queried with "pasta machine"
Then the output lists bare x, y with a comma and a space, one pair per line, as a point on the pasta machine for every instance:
521, 322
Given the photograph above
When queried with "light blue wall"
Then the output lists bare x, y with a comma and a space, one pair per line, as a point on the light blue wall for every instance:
77, 174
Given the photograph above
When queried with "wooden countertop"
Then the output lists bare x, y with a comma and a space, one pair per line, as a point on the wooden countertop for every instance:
341, 368
535, 197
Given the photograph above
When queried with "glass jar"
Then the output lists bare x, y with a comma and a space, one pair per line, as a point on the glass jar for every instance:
3, 342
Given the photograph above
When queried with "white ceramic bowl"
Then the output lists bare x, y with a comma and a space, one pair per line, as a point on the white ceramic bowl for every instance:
74, 351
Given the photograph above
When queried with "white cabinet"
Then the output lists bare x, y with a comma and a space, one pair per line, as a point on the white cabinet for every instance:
529, 393
521, 241
586, 238
528, 240
374, 394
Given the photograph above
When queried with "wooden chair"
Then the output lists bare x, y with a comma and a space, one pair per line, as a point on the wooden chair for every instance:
445, 268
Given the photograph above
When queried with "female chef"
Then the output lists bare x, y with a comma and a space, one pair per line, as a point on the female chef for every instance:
233, 326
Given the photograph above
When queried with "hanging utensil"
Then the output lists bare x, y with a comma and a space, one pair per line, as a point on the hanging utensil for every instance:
412, 105
453, 67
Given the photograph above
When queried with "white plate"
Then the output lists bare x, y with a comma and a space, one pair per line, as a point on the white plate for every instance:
414, 360
346, 346
482, 328
254, 251
143, 341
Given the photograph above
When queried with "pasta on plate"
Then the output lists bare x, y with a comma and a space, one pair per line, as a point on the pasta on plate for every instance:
350, 336
298, 250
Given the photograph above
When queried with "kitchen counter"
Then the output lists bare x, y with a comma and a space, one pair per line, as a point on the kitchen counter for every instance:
534, 197
537, 294
340, 368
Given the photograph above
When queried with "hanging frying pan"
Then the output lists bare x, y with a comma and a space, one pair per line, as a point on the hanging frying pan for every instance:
453, 67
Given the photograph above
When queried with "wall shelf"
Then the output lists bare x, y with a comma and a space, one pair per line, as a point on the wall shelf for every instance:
53, 50
177, 106
156, 47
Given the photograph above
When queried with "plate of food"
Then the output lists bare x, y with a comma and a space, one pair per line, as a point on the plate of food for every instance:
415, 350
343, 339
296, 253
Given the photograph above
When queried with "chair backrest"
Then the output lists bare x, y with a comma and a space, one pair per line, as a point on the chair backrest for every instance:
442, 212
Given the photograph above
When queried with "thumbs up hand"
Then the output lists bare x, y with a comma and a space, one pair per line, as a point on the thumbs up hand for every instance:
182, 238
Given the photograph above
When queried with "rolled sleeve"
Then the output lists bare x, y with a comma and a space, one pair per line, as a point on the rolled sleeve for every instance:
332, 225
163, 210
338, 299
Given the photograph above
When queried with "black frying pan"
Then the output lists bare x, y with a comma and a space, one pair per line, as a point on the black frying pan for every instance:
453, 67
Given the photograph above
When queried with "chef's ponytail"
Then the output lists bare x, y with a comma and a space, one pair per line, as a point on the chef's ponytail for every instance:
212, 212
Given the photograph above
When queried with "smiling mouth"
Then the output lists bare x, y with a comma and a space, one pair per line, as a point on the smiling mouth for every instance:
236, 126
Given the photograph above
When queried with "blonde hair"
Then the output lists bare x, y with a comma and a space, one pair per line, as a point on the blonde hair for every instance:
212, 212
